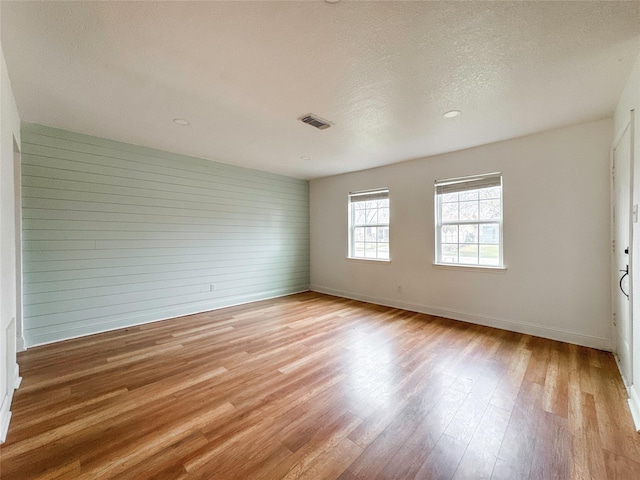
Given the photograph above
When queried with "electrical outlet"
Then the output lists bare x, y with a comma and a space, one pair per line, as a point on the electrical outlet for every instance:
212, 287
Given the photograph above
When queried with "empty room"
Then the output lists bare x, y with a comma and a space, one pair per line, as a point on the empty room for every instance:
319, 239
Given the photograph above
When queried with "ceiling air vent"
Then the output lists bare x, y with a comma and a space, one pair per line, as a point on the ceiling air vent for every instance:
315, 121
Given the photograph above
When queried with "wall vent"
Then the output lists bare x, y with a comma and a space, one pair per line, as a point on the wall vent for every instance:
315, 121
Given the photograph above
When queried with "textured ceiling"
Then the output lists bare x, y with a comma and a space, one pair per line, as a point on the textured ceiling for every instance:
383, 72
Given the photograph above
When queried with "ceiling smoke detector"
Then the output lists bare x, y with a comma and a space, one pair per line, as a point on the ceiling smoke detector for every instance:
315, 121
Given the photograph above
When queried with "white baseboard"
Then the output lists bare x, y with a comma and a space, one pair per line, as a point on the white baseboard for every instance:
552, 333
5, 412
625, 382
20, 344
634, 405
17, 379
5, 419
634, 398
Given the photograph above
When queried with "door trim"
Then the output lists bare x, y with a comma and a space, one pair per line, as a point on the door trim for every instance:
614, 270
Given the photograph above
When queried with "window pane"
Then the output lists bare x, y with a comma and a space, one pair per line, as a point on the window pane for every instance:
468, 234
449, 212
493, 192
469, 195
489, 255
370, 250
468, 222
468, 211
449, 253
372, 216
449, 234
449, 197
489, 209
383, 215
490, 233
367, 239
469, 254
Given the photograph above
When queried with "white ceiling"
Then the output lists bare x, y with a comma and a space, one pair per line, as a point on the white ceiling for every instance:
384, 72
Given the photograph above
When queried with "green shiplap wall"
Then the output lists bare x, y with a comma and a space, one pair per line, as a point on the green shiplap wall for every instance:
116, 235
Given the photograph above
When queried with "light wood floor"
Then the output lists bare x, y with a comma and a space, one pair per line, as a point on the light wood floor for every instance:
312, 386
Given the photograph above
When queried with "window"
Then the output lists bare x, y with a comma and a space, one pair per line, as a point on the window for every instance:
369, 224
469, 220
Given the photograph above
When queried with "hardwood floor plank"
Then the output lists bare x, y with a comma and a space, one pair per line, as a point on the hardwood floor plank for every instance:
552, 448
443, 460
511, 382
412, 455
467, 418
318, 387
481, 454
167, 462
132, 452
325, 440
555, 396
385, 445
620, 467
516, 452
586, 444
332, 462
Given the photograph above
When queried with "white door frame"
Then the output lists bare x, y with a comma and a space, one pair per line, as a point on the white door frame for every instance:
615, 274
17, 185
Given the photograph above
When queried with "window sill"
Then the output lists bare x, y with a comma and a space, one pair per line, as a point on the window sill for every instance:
475, 268
379, 260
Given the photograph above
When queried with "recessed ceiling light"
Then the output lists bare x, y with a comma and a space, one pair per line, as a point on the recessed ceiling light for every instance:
451, 113
304, 158
181, 121
331, 1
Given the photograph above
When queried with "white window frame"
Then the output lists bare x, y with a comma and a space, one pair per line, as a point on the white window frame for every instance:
362, 196
467, 184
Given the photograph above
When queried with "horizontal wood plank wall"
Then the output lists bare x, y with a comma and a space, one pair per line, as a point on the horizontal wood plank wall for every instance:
117, 235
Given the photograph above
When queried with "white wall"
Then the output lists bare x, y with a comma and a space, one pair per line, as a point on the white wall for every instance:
116, 235
9, 137
556, 237
630, 100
